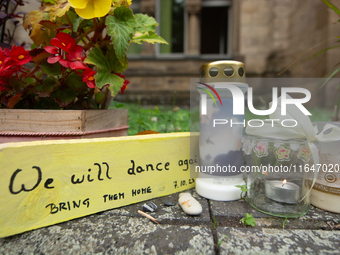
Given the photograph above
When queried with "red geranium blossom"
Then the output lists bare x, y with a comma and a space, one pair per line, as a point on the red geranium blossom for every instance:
2, 56
20, 55
64, 41
88, 78
56, 57
8, 66
55, 51
124, 87
126, 82
77, 57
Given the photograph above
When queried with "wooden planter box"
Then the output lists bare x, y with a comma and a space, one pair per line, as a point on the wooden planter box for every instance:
31, 125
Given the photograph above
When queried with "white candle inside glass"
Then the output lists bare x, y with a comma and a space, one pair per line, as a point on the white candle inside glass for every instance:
282, 191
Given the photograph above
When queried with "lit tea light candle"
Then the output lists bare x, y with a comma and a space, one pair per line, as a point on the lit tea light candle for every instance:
282, 191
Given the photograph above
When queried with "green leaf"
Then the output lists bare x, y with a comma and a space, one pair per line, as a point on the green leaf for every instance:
65, 97
45, 89
115, 81
222, 239
242, 187
330, 5
76, 23
51, 69
107, 67
320, 85
324, 51
17, 85
49, 1
121, 27
119, 105
97, 58
30, 80
248, 220
99, 97
75, 82
115, 65
149, 37
86, 24
145, 23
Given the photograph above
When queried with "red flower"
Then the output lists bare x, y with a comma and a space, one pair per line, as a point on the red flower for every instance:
126, 82
56, 57
88, 78
7, 52
64, 41
8, 67
120, 75
77, 57
124, 87
55, 51
20, 55
2, 56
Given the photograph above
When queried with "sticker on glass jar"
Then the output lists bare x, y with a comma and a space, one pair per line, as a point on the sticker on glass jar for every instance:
261, 149
305, 153
283, 153
248, 146
328, 183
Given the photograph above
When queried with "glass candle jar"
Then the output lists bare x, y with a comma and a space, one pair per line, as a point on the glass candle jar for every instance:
221, 131
326, 191
279, 175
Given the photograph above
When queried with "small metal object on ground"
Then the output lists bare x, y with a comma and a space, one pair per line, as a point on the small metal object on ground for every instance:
149, 207
168, 203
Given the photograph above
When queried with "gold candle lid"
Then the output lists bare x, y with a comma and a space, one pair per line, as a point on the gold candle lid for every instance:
223, 69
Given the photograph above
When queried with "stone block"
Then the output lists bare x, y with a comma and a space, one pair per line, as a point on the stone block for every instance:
274, 241
106, 234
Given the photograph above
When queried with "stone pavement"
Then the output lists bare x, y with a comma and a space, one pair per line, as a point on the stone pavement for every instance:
216, 231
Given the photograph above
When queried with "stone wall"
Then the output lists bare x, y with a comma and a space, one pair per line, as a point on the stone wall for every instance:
313, 27
256, 37
276, 34
308, 28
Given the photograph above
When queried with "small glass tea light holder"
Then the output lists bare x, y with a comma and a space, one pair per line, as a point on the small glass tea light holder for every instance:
279, 175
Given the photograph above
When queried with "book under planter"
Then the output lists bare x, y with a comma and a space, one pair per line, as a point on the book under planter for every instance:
18, 125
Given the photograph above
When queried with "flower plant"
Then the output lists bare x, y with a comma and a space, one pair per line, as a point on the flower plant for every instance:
78, 56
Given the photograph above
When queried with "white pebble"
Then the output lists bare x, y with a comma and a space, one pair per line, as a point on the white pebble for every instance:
189, 204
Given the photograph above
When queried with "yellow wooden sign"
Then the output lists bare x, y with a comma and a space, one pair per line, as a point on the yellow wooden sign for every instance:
44, 183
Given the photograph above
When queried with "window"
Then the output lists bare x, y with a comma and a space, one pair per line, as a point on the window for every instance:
171, 19
212, 27
215, 27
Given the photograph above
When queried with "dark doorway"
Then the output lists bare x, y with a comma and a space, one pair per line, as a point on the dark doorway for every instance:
214, 30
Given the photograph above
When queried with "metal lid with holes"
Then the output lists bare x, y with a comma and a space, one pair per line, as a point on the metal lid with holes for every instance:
223, 69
